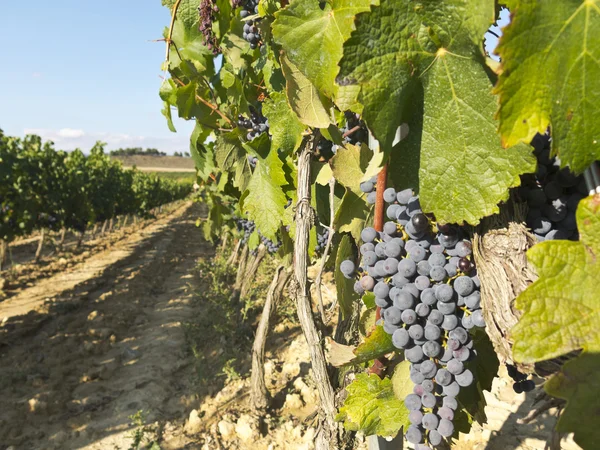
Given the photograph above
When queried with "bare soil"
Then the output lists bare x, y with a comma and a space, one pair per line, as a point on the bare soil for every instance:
125, 330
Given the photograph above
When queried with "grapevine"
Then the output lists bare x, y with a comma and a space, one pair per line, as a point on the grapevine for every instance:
409, 144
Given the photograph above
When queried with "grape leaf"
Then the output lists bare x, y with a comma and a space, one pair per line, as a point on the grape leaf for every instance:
351, 215
372, 407
464, 171
579, 384
284, 126
264, 200
401, 381
312, 34
551, 76
348, 165
230, 156
401, 55
304, 99
376, 344
561, 312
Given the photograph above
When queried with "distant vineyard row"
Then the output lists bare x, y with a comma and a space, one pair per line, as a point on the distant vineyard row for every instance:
42, 188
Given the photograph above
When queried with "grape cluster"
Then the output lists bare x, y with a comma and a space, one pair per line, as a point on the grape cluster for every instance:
368, 187
248, 227
47, 221
521, 383
256, 123
251, 32
252, 160
352, 121
325, 150
552, 195
207, 11
322, 237
426, 285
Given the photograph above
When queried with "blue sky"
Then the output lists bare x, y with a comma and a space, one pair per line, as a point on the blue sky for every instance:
81, 71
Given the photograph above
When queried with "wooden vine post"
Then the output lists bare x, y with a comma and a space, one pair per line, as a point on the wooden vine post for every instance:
259, 395
327, 437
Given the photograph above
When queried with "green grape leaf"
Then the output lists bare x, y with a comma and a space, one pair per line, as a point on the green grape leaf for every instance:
253, 240
345, 288
464, 171
551, 76
377, 344
348, 165
166, 111
561, 310
367, 321
230, 156
351, 215
303, 97
264, 200
284, 126
401, 381
312, 34
372, 407
579, 384
402, 55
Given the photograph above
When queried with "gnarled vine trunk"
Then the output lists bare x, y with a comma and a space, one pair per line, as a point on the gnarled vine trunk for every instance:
252, 269
61, 242
40, 247
259, 395
3, 253
327, 436
500, 244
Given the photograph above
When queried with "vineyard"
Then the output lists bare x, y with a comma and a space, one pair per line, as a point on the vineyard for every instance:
391, 243
46, 190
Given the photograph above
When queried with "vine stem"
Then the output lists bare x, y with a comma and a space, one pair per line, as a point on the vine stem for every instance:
215, 108
170, 35
379, 364
326, 251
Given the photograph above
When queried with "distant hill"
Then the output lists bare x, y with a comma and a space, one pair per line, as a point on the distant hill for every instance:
147, 163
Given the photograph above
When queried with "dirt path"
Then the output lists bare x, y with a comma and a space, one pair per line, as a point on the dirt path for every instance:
101, 343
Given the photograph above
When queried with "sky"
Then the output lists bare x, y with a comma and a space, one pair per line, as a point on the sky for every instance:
80, 71
76, 72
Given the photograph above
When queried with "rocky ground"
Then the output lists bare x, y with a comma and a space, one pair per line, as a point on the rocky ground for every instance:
112, 352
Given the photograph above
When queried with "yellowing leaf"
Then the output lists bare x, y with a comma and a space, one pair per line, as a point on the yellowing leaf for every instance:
551, 76
304, 98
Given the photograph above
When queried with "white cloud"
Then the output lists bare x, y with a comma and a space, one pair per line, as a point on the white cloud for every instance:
70, 133
70, 139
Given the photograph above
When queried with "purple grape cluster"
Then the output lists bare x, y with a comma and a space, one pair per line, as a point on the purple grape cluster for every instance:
251, 32
208, 11
47, 221
325, 150
252, 160
359, 136
426, 284
248, 227
552, 195
322, 237
257, 124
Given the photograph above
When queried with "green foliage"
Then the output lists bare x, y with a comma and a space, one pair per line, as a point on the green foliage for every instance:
372, 406
44, 188
392, 57
560, 314
313, 34
551, 76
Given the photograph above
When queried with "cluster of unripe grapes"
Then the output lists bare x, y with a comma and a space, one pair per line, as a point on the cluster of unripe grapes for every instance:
426, 286
251, 32
552, 195
257, 124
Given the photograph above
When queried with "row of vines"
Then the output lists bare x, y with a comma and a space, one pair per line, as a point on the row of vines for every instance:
453, 195
42, 189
